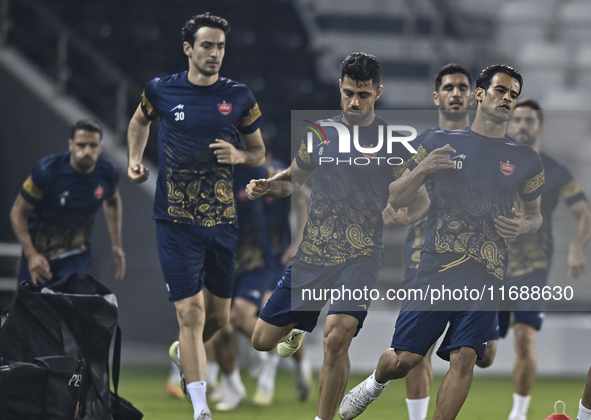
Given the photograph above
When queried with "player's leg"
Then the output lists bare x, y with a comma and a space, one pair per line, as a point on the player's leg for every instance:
524, 369
182, 251
339, 330
456, 385
585, 404
418, 385
303, 374
217, 313
226, 347
491, 346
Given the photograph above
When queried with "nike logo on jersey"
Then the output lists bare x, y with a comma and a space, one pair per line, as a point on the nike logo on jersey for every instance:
179, 107
460, 156
511, 144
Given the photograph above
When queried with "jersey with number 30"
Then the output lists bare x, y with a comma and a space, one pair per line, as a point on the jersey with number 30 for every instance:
193, 188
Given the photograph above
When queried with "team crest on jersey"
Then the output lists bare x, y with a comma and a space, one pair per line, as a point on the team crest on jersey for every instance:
225, 108
98, 192
369, 155
507, 168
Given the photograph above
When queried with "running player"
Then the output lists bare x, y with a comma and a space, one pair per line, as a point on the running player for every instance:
475, 173
342, 245
203, 118
53, 214
530, 255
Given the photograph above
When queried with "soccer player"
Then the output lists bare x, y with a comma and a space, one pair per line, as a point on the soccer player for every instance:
203, 118
342, 244
53, 214
475, 174
530, 255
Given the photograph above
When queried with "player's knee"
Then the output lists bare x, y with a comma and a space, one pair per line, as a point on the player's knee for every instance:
407, 361
463, 360
260, 342
217, 320
337, 341
189, 314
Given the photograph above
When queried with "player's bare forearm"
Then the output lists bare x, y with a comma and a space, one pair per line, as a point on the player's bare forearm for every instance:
113, 214
254, 156
18, 218
419, 207
404, 189
280, 184
137, 139
581, 211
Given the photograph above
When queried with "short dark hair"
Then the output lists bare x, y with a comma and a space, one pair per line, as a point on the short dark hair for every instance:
199, 21
86, 125
451, 68
485, 77
530, 103
361, 67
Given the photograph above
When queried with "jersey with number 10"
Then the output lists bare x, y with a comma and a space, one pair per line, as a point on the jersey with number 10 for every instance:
193, 188
488, 174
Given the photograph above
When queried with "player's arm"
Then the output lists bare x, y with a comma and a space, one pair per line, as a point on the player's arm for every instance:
408, 215
38, 264
113, 215
252, 155
576, 258
526, 220
137, 139
404, 189
280, 185
300, 200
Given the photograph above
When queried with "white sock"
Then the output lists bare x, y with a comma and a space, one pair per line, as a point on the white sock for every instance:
317, 418
373, 387
584, 412
266, 382
235, 380
520, 405
175, 375
197, 393
417, 408
211, 373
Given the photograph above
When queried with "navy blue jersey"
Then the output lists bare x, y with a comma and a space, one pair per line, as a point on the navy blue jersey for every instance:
253, 247
65, 203
347, 199
488, 175
530, 252
277, 214
193, 188
415, 239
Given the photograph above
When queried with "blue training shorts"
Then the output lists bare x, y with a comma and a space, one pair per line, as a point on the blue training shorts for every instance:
252, 285
305, 289
60, 267
530, 312
421, 323
193, 257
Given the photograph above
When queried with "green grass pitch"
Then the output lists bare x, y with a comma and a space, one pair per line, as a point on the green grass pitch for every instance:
490, 398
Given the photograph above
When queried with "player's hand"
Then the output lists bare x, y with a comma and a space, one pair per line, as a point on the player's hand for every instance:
119, 257
392, 217
226, 153
576, 262
138, 173
39, 269
511, 228
256, 188
438, 159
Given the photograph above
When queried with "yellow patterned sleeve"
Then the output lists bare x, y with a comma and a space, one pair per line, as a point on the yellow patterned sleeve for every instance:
397, 171
32, 189
533, 184
152, 113
304, 158
420, 155
253, 115
570, 190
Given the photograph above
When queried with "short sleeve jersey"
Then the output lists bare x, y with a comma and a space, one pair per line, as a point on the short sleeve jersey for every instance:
488, 175
348, 195
66, 203
415, 239
192, 187
277, 214
253, 246
530, 252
